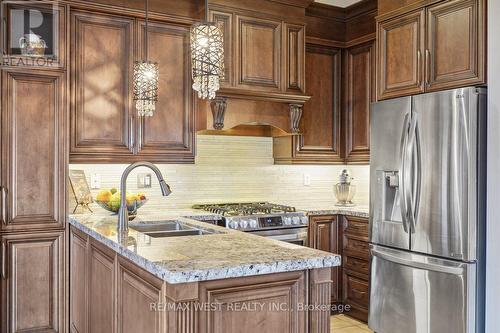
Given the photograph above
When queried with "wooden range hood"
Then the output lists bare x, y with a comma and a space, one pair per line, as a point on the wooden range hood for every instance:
245, 117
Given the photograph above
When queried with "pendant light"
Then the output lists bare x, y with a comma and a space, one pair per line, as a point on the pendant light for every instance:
207, 57
145, 80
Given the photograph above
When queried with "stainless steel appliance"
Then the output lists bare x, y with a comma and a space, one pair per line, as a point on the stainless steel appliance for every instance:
262, 218
427, 213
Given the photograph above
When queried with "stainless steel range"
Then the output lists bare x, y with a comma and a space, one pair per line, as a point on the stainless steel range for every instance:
262, 218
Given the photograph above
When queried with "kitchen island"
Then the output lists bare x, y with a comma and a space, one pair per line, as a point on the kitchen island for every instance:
219, 281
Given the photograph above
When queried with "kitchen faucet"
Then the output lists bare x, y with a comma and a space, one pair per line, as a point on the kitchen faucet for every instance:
123, 213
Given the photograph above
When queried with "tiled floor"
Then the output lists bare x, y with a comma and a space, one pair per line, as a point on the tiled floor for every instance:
345, 324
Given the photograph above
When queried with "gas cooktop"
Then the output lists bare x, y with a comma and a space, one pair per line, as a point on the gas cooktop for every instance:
250, 216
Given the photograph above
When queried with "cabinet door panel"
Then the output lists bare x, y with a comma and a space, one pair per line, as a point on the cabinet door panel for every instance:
33, 293
225, 23
258, 53
135, 296
400, 51
320, 123
325, 233
78, 306
169, 135
33, 149
360, 70
294, 71
101, 68
286, 291
101, 297
455, 44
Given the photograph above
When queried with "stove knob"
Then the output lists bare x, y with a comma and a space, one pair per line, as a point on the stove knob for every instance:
304, 219
252, 223
233, 224
296, 220
244, 223
287, 220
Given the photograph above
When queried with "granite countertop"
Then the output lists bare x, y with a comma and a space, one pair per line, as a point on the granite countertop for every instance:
359, 211
224, 254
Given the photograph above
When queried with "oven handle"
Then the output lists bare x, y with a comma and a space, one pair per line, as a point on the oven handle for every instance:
289, 237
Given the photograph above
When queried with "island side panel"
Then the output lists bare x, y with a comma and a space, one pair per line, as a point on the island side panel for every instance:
271, 304
320, 282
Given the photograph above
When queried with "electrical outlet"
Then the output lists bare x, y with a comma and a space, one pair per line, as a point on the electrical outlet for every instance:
144, 180
307, 179
95, 181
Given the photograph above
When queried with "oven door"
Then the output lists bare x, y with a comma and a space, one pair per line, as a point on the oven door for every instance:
290, 235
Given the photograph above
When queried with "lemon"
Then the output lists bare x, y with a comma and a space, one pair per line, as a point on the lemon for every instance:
104, 196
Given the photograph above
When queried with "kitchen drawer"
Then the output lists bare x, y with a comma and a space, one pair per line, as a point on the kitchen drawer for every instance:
356, 226
356, 265
356, 248
356, 291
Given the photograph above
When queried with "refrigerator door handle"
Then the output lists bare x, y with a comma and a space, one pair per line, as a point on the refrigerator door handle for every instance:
414, 173
402, 173
417, 173
442, 266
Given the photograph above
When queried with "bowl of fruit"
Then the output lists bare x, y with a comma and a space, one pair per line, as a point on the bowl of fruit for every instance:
110, 200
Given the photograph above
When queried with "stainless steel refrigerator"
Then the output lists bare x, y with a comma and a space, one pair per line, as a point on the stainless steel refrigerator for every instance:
427, 213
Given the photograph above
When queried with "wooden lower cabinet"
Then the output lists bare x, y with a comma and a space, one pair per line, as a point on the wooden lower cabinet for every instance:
111, 294
356, 295
356, 267
138, 292
326, 235
348, 236
33, 283
282, 291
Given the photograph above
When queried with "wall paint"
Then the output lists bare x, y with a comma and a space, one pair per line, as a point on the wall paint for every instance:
493, 172
236, 169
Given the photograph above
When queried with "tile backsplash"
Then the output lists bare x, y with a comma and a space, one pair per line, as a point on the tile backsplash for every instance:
235, 169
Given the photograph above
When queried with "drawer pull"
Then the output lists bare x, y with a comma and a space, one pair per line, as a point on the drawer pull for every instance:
358, 294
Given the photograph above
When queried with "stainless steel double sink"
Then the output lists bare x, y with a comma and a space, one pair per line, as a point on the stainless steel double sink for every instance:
158, 229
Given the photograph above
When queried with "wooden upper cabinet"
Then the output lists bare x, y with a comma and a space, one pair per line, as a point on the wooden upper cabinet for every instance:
101, 69
319, 141
455, 44
320, 123
258, 53
33, 290
225, 23
325, 233
169, 134
294, 58
400, 55
263, 55
359, 93
33, 136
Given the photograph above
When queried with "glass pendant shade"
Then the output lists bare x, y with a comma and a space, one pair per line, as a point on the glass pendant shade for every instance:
207, 57
145, 87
